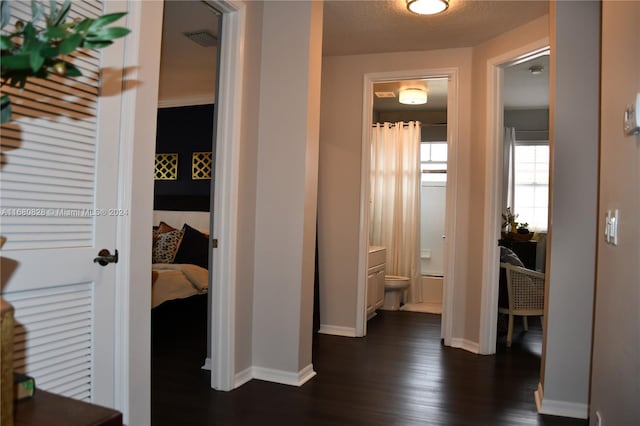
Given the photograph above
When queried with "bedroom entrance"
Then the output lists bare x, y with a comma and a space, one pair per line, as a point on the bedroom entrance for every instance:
505, 156
184, 191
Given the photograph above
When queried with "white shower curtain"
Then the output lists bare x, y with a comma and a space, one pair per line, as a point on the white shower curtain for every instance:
508, 168
395, 198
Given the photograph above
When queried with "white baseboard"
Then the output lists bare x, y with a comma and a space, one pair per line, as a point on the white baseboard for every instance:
207, 364
243, 377
284, 377
465, 344
335, 330
574, 410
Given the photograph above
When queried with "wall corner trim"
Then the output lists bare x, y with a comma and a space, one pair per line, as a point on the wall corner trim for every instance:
560, 408
207, 364
281, 376
467, 345
336, 330
243, 377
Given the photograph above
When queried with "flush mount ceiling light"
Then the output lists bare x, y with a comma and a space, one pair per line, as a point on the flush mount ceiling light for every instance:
536, 69
413, 96
427, 7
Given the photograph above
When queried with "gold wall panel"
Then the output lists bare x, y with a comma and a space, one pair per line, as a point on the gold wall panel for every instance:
201, 165
166, 167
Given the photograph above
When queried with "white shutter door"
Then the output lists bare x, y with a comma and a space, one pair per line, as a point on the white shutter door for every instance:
58, 208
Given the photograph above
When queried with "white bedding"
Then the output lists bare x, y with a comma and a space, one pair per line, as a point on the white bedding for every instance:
177, 281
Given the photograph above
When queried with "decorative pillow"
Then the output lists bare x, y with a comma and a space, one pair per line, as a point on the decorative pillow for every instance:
508, 256
166, 245
194, 248
163, 227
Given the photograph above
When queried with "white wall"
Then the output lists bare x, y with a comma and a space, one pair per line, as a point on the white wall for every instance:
287, 160
615, 392
247, 181
433, 199
570, 272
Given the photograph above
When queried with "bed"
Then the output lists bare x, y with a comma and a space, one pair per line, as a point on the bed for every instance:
180, 255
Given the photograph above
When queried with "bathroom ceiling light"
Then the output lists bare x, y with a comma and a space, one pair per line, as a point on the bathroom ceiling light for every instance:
412, 96
427, 7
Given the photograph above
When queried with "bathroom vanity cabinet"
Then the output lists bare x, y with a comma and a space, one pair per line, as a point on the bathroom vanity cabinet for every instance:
375, 279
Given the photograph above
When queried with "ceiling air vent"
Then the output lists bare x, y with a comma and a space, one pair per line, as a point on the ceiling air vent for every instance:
202, 37
385, 94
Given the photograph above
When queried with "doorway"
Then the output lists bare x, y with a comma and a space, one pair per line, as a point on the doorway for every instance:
373, 82
185, 162
494, 200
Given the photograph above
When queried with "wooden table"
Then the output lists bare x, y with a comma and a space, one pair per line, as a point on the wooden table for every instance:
54, 410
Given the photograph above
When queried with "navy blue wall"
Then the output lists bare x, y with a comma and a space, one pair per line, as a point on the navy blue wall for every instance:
184, 130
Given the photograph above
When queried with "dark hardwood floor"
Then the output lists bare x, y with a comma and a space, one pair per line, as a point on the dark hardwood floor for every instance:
400, 374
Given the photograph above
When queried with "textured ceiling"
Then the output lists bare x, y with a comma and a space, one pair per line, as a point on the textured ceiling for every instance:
378, 26
374, 26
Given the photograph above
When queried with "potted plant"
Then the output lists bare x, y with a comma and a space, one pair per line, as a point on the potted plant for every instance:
40, 47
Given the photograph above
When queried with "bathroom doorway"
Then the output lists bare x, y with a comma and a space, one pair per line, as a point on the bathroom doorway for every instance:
430, 112
432, 289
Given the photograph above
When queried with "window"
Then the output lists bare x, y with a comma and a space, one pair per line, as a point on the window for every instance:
433, 161
531, 192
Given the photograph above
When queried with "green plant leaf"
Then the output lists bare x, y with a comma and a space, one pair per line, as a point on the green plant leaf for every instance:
62, 13
37, 11
70, 44
108, 34
105, 20
5, 43
53, 7
29, 35
83, 26
36, 59
72, 70
5, 109
50, 51
5, 13
54, 33
16, 62
98, 44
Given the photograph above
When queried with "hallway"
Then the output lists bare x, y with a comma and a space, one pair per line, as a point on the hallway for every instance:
399, 374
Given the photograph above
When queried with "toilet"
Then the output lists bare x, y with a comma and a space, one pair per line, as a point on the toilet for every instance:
395, 288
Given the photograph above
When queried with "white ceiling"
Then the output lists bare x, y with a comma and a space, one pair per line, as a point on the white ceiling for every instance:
524, 90
378, 26
187, 69
370, 26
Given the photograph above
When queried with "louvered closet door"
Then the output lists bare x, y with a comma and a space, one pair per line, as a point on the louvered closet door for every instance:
58, 180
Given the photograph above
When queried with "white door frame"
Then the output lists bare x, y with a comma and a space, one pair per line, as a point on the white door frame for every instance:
133, 383
225, 225
452, 173
493, 185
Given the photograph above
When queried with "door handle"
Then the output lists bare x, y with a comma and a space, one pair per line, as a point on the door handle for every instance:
104, 257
